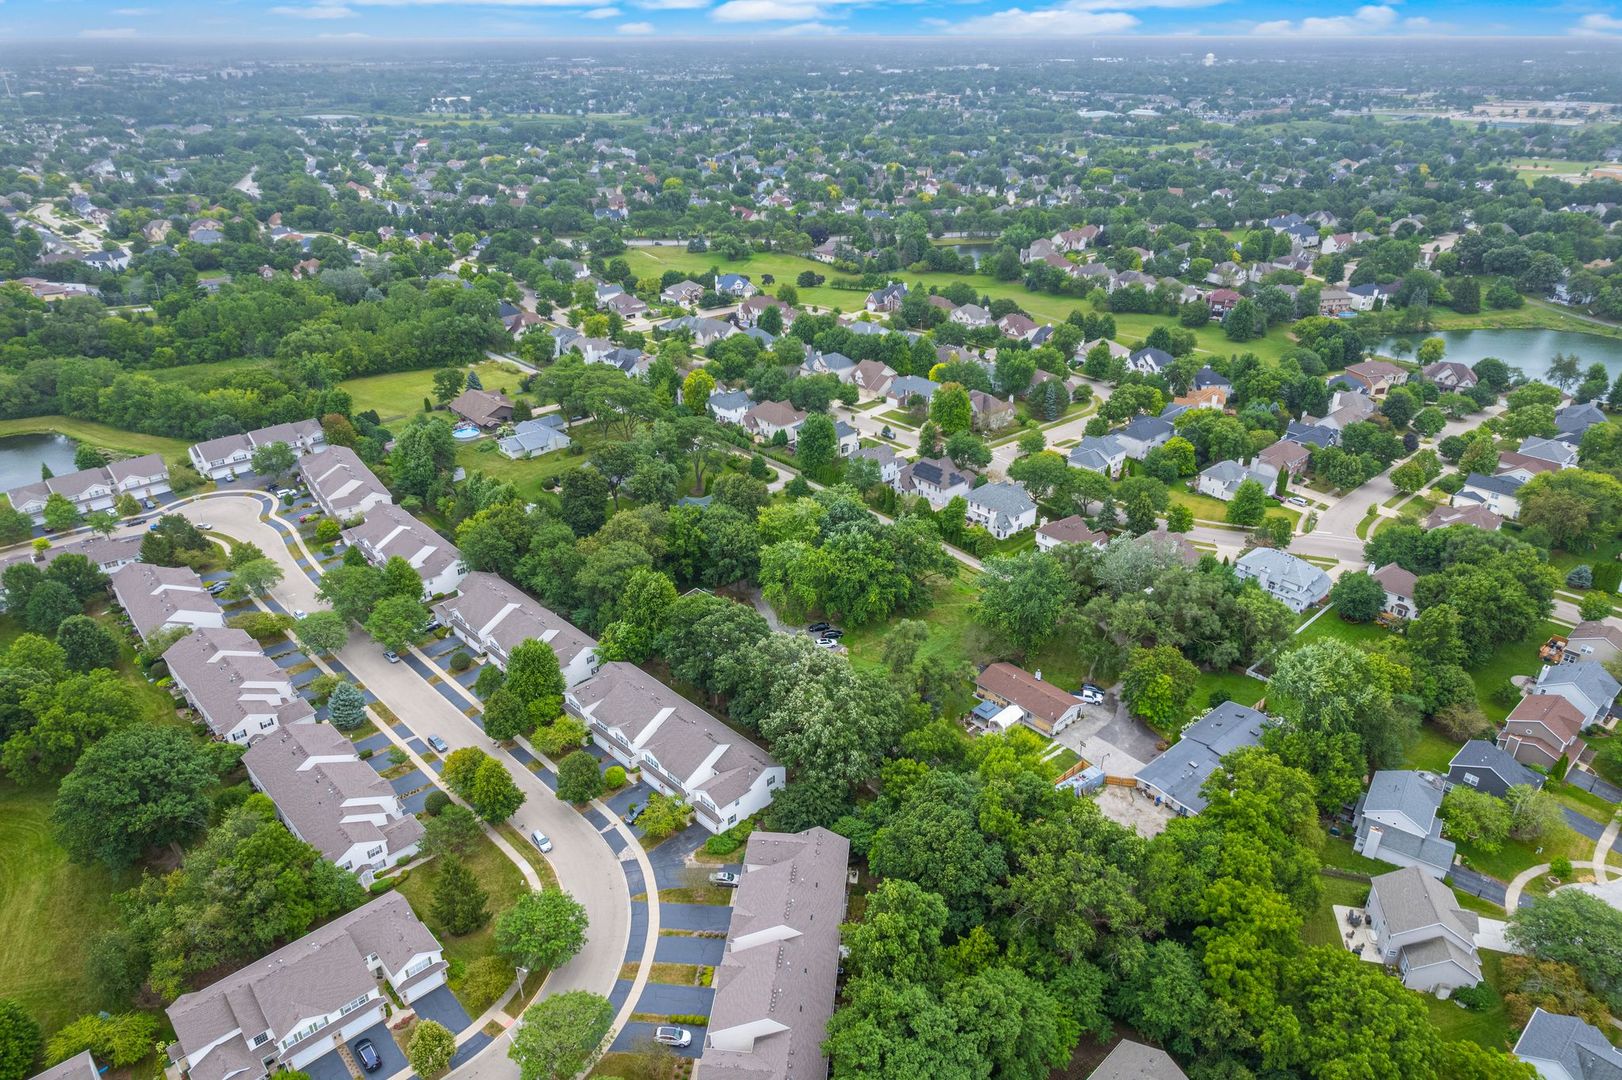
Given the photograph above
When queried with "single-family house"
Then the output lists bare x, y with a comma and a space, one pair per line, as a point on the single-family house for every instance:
1398, 584
1044, 708
387, 530
534, 437
1208, 377
1500, 494
1100, 454
341, 484
1541, 729
1221, 480
1479, 516
684, 293
482, 408
735, 285
157, 598
1584, 683
1572, 421
94, 489
1136, 1061
1016, 326
990, 413
750, 311
1565, 1048
730, 406
1486, 767
300, 1003
1222, 301
332, 800
218, 459
1286, 456
1594, 640
888, 298
1419, 928
889, 461
971, 315
935, 480
1003, 509
494, 617
1398, 820
1212, 397
1142, 434
1297, 583
766, 419
1375, 377
1449, 375
846, 438
1177, 776
779, 971
81, 1066
239, 691
903, 388
682, 750
1076, 239
1333, 300
625, 305
704, 331
872, 377
1150, 361
1069, 530
1562, 454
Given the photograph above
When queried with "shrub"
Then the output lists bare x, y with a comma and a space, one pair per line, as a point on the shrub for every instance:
435, 803
1560, 868
614, 778
460, 661
1474, 998
1581, 577
485, 980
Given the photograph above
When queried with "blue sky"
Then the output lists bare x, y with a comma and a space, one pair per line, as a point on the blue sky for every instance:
110, 20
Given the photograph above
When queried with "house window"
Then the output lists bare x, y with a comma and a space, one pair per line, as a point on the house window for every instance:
260, 1039
374, 852
420, 966
353, 1005
1472, 779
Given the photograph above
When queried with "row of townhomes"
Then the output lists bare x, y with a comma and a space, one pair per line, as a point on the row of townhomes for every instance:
493, 617
301, 1002
95, 489
225, 458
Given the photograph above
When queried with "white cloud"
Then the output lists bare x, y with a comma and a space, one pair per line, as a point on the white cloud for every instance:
766, 11
132, 12
636, 28
1597, 25
672, 5
105, 32
316, 11
808, 29
600, 13
1368, 19
1072, 18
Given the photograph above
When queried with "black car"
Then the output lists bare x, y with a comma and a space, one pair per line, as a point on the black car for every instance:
367, 1053
818, 628
832, 635
633, 812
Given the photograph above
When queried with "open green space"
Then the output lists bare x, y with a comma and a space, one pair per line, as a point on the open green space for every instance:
1230, 685
99, 435
1518, 855
1488, 1025
1431, 751
49, 907
398, 395
497, 876
1330, 625
1509, 659
528, 475
1321, 927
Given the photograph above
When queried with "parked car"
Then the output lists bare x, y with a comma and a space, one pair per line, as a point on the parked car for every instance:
432, 625
218, 587
673, 1036
633, 812
818, 628
150, 504
204, 526
542, 842
833, 635
367, 1053
1091, 697
827, 643
391, 656
152, 526
438, 744
725, 878
1296, 500
298, 613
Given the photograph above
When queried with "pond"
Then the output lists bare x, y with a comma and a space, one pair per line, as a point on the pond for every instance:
1529, 350
22, 455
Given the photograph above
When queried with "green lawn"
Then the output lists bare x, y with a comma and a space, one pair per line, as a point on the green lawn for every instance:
1236, 685
1516, 856
107, 438
497, 876
1510, 658
1330, 625
952, 630
1488, 1025
1431, 751
529, 474
1607, 570
1338, 853
1321, 927
398, 395
652, 262
49, 909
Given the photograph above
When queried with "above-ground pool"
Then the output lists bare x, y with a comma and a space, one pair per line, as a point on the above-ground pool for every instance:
466, 431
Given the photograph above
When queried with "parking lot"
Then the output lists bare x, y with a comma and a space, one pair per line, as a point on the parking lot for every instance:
1108, 736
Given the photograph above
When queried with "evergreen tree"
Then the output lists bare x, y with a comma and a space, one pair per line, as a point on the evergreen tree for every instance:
459, 902
346, 708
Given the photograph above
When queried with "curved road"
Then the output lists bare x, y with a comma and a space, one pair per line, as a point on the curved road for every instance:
583, 861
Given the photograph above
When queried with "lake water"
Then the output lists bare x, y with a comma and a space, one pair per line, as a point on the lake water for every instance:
1529, 350
22, 455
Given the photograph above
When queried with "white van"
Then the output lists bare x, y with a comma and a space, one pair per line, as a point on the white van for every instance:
541, 841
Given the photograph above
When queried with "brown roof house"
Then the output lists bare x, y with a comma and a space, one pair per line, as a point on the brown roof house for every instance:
1286, 457
1047, 709
1592, 640
494, 617
332, 800
1542, 729
484, 408
387, 530
1479, 516
159, 597
297, 1005
1069, 530
766, 419
775, 984
1399, 590
239, 691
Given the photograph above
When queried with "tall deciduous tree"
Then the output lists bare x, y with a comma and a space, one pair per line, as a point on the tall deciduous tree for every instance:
139, 788
542, 930
560, 1034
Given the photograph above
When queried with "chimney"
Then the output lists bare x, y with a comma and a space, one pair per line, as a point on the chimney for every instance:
1372, 845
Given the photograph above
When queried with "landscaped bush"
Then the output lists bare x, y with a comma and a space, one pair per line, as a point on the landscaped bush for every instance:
460, 661
483, 983
1581, 577
725, 843
435, 803
1474, 997
614, 778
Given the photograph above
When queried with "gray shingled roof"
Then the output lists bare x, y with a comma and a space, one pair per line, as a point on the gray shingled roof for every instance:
1582, 1049
388, 531
1181, 771
157, 596
774, 990
78, 1067
1403, 791
1135, 1061
1586, 675
1480, 754
493, 609
1413, 900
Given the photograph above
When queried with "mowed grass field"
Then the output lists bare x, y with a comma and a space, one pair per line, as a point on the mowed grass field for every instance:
99, 435
49, 910
398, 395
1131, 329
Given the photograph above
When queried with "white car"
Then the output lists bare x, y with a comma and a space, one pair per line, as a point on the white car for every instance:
543, 844
673, 1036
1296, 500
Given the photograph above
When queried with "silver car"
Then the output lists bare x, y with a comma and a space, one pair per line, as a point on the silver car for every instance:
673, 1036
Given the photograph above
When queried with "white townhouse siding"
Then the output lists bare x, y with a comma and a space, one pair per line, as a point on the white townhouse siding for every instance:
233, 454
239, 691
95, 489
1297, 583
494, 617
682, 750
340, 482
331, 799
389, 531
302, 1001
